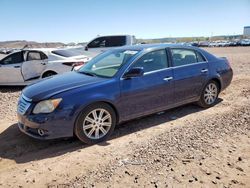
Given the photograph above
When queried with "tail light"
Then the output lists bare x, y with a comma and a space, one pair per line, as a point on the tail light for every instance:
74, 64
226, 61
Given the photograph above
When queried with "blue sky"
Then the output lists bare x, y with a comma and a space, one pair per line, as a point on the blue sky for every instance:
82, 20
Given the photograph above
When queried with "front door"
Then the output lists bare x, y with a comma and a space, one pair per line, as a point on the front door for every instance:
151, 92
10, 69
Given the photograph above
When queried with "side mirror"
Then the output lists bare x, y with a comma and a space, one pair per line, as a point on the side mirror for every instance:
86, 48
134, 72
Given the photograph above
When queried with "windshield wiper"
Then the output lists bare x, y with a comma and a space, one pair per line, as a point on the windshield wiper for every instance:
87, 73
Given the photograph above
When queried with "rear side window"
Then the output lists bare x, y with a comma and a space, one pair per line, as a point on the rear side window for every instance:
185, 57
200, 58
152, 61
33, 56
113, 41
43, 56
116, 41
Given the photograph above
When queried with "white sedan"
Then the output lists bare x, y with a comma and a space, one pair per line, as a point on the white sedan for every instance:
30, 65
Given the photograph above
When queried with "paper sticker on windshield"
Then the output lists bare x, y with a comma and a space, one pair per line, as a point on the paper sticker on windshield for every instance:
130, 52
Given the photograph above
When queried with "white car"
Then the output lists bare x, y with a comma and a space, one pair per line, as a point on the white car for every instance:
30, 65
245, 42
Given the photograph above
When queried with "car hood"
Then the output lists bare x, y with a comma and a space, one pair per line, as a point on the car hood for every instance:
48, 87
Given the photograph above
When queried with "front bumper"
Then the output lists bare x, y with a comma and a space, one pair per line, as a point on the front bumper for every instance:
31, 132
54, 125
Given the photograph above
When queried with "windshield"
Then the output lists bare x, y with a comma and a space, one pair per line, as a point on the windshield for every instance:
108, 63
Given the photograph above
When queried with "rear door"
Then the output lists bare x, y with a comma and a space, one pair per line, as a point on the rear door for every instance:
102, 44
34, 65
10, 69
190, 71
151, 92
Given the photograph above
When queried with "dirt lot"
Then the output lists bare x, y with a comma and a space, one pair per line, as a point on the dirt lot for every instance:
184, 147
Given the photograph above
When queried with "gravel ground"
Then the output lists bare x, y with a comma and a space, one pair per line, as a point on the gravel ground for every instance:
169, 158
8, 102
183, 147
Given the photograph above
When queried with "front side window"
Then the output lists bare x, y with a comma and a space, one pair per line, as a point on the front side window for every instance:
112, 41
108, 63
97, 43
33, 56
152, 61
185, 56
13, 58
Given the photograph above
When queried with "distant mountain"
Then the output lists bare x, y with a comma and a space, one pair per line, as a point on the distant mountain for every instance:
32, 44
29, 44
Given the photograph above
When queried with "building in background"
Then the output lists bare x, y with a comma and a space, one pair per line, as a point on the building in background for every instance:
246, 32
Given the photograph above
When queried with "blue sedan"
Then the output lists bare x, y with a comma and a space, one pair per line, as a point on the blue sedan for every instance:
120, 85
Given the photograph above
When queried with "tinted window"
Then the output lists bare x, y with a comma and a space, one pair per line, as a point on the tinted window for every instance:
97, 43
152, 61
108, 42
13, 58
185, 56
43, 56
200, 58
115, 41
33, 56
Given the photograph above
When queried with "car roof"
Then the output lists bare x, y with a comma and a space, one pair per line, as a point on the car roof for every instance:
156, 46
40, 49
144, 48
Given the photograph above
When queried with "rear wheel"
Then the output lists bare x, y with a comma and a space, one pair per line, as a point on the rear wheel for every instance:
96, 123
48, 74
209, 94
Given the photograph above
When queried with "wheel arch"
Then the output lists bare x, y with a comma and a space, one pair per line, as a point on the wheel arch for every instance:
113, 107
97, 102
218, 81
47, 71
215, 79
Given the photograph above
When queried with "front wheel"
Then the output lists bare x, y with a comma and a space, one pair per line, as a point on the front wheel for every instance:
209, 95
96, 123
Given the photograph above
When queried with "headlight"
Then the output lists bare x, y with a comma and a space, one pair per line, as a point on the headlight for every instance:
46, 106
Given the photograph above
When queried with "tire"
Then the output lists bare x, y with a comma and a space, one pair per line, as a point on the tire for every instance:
95, 123
48, 74
209, 94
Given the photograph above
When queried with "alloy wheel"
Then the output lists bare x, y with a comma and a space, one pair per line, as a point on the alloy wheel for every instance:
97, 123
211, 93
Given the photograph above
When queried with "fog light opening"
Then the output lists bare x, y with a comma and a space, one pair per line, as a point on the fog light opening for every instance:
41, 132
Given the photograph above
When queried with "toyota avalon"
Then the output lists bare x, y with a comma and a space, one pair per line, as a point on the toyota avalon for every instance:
119, 85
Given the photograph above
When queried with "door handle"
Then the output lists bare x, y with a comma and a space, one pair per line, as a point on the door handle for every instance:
168, 78
204, 70
17, 66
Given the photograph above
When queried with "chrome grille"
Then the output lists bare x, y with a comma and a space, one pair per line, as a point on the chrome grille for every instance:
23, 104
